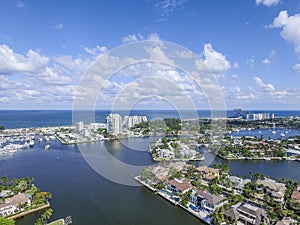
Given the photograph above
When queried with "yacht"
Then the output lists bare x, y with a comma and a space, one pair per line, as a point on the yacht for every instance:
31, 143
47, 147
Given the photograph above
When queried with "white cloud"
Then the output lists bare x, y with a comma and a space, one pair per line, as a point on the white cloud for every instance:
265, 87
139, 37
132, 38
266, 61
251, 63
75, 66
58, 26
96, 51
168, 6
296, 68
268, 3
236, 65
156, 53
20, 4
290, 28
214, 60
11, 62
271, 57
153, 37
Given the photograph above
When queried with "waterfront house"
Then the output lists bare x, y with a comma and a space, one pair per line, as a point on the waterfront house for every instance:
247, 214
5, 193
286, 221
12, 204
206, 201
179, 186
275, 189
165, 153
239, 183
208, 173
296, 195
292, 152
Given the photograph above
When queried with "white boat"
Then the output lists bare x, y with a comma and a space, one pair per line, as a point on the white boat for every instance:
40, 139
282, 135
267, 159
274, 132
47, 147
31, 143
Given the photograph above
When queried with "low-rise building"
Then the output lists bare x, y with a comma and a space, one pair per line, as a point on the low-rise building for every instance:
292, 152
179, 186
206, 201
5, 193
12, 205
287, 221
165, 153
239, 183
247, 214
275, 189
208, 173
296, 195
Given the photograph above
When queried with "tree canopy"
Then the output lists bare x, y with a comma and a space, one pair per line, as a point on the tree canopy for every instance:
5, 221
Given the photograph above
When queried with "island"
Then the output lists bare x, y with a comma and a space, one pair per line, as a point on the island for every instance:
175, 148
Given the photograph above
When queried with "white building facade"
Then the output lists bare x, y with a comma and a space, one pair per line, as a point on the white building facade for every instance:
114, 123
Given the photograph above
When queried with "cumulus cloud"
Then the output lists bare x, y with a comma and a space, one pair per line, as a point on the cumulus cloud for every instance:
269, 59
95, 51
251, 63
296, 68
11, 62
132, 38
20, 4
261, 84
168, 6
289, 25
266, 61
58, 26
214, 60
157, 54
268, 3
75, 66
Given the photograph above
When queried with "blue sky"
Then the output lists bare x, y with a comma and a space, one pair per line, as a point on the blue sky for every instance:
253, 47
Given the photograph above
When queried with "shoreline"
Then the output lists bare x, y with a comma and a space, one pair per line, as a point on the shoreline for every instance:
22, 214
259, 158
173, 202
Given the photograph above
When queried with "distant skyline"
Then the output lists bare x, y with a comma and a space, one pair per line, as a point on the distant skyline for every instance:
251, 46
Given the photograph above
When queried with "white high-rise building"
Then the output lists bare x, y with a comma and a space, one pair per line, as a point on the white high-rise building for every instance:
80, 126
114, 123
131, 121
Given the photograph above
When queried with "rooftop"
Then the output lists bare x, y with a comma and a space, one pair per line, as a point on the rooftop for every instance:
181, 185
210, 198
206, 169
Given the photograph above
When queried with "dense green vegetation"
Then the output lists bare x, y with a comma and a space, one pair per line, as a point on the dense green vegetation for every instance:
44, 217
24, 185
4, 221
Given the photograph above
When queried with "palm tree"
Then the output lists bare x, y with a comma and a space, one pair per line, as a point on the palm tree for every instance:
47, 215
39, 222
